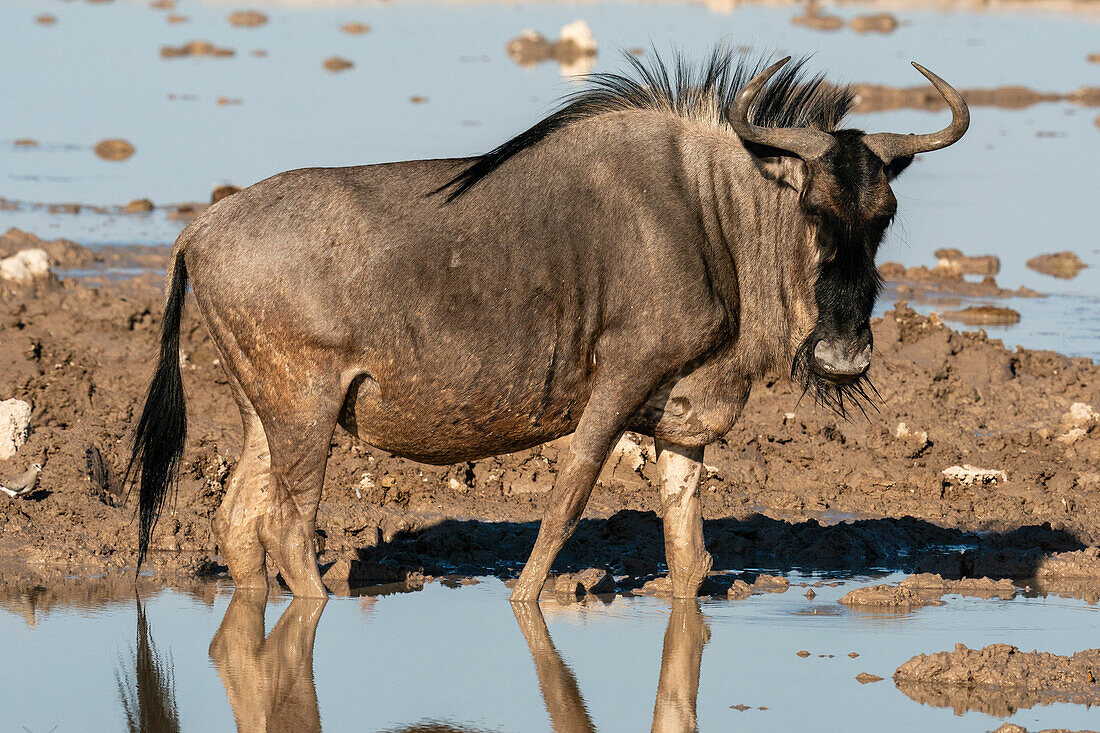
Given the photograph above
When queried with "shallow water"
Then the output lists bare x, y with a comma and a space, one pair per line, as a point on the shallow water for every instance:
97, 73
467, 657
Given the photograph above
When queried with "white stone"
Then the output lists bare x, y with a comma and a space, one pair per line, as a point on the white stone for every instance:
25, 266
1081, 415
967, 474
580, 34
904, 432
15, 420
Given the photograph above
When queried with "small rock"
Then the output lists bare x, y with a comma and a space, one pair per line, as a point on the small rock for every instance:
46, 19
15, 420
26, 142
335, 63
810, 593
853, 655
355, 28
741, 707
114, 149
418, 99
176, 19
247, 19
803, 654
138, 206
865, 678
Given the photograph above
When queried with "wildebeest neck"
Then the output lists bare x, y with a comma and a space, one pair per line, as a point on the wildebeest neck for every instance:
759, 227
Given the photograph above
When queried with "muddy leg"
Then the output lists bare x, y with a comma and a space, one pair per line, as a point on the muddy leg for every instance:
678, 470
246, 501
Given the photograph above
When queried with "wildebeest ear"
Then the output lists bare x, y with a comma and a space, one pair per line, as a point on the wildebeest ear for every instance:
897, 165
785, 169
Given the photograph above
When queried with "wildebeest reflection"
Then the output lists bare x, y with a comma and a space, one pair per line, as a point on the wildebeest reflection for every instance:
270, 684
636, 261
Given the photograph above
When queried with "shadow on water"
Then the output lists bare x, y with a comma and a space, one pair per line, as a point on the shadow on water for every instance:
630, 543
147, 696
270, 684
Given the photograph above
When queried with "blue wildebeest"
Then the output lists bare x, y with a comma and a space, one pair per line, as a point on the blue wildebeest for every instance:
634, 261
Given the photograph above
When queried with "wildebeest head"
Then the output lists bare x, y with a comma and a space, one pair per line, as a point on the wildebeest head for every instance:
843, 179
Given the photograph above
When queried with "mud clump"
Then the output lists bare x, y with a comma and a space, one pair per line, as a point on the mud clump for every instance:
223, 191
335, 64
575, 50
874, 23
1064, 265
138, 206
927, 589
947, 277
984, 315
954, 261
999, 679
196, 48
114, 149
63, 253
763, 584
818, 21
247, 19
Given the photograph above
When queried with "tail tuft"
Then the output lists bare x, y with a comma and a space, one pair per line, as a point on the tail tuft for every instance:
162, 429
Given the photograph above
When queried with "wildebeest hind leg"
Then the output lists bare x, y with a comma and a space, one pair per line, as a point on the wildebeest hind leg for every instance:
247, 498
678, 470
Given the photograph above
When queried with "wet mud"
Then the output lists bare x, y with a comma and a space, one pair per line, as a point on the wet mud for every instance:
1000, 679
792, 486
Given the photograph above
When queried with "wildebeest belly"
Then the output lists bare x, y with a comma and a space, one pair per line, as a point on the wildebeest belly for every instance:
448, 412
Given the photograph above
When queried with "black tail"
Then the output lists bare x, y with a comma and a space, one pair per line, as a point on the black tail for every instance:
158, 440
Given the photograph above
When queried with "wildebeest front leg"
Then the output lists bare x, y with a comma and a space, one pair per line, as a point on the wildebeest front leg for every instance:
679, 469
600, 425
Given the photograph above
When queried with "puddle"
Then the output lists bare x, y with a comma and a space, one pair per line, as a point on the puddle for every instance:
465, 657
1020, 184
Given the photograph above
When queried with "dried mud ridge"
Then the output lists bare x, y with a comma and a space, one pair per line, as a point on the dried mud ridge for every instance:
1000, 679
79, 352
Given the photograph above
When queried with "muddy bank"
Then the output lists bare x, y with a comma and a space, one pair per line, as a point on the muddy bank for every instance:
80, 353
1000, 679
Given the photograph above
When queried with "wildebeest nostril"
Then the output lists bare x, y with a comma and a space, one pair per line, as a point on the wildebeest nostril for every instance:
834, 358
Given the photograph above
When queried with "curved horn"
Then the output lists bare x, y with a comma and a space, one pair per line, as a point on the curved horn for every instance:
889, 145
803, 142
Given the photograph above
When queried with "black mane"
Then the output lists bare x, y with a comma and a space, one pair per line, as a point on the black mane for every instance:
790, 99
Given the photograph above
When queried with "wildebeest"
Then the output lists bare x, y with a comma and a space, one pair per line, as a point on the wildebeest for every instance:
634, 261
